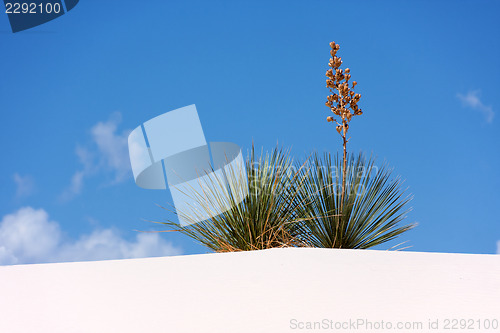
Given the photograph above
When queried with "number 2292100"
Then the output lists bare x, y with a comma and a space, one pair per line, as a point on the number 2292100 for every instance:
32, 8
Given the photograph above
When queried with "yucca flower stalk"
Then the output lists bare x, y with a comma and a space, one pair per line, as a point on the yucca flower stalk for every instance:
342, 101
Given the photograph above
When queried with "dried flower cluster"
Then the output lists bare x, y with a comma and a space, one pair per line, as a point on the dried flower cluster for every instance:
343, 102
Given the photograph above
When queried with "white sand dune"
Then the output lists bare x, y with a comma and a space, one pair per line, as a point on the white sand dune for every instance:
278, 290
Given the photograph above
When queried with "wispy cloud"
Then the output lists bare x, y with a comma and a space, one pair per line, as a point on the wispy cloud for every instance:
473, 101
107, 153
112, 147
29, 236
25, 185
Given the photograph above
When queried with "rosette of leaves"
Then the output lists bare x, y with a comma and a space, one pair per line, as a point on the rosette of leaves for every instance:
369, 214
266, 218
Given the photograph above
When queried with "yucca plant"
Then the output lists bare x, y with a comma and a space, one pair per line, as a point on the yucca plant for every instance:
367, 214
266, 218
300, 205
346, 217
339, 203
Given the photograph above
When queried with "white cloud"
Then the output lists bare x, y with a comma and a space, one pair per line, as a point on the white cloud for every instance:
86, 159
75, 186
107, 244
25, 185
29, 236
112, 147
472, 100
108, 153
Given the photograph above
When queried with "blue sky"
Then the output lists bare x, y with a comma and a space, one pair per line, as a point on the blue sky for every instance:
71, 89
